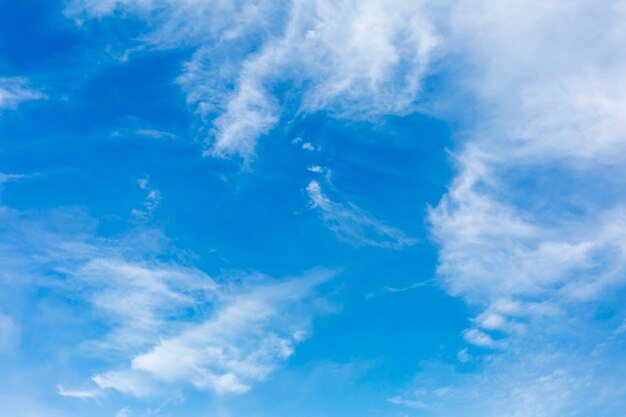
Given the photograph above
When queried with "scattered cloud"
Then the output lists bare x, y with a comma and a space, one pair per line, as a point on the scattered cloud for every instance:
167, 325
153, 133
246, 337
354, 225
426, 283
526, 234
478, 338
82, 395
151, 202
517, 236
398, 400
353, 59
544, 381
15, 90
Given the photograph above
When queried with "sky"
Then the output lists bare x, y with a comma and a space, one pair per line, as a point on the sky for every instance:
312, 208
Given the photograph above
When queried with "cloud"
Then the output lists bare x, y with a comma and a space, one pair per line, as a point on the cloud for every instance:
307, 146
178, 326
542, 381
82, 395
150, 203
153, 133
250, 332
398, 400
358, 60
353, 225
515, 228
478, 338
531, 230
352, 59
163, 324
15, 90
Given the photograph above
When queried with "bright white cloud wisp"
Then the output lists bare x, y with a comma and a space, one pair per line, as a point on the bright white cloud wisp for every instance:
354, 225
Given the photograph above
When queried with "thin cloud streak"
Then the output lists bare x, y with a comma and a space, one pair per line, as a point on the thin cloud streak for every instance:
353, 225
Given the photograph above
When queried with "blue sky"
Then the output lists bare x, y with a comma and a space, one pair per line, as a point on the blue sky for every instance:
312, 208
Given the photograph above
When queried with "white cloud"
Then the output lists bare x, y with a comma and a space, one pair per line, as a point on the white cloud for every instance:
478, 338
140, 300
544, 382
151, 202
398, 400
165, 325
531, 231
354, 59
15, 90
354, 225
360, 59
82, 395
128, 383
250, 332
249, 113
307, 146
235, 337
533, 225
506, 235
153, 133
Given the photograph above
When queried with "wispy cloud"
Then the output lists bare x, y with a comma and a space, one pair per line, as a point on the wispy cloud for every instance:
507, 237
426, 283
522, 237
167, 325
154, 133
82, 395
545, 381
151, 202
249, 333
413, 403
531, 230
354, 225
354, 59
15, 90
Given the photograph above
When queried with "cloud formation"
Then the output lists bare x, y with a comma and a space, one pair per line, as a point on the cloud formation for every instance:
516, 229
15, 90
166, 324
531, 229
353, 225
248, 333
352, 59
